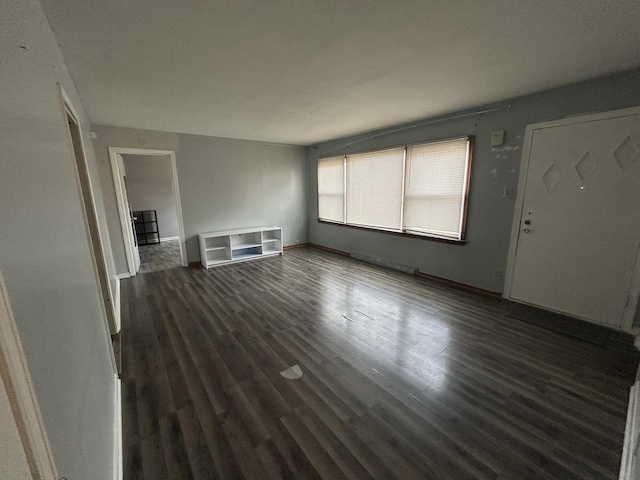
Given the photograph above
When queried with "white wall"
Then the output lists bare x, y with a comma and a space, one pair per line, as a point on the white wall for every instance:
224, 183
149, 186
44, 251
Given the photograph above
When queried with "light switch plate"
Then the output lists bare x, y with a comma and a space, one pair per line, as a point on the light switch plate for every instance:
497, 138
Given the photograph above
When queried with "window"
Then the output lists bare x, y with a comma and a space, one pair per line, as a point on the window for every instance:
420, 189
331, 189
374, 189
436, 187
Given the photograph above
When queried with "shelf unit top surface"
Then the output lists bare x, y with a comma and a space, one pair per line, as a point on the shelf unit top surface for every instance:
239, 231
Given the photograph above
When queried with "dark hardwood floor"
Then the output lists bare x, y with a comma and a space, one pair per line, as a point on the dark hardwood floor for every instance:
403, 378
161, 256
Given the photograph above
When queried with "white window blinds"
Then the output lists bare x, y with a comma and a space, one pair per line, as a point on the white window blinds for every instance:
435, 189
420, 189
331, 189
374, 189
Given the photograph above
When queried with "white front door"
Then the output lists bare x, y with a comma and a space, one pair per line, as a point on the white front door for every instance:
579, 230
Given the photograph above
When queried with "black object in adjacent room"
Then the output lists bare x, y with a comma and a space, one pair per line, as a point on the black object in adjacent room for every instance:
147, 227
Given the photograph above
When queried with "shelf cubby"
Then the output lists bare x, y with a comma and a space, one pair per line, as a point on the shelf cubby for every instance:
213, 243
272, 241
217, 256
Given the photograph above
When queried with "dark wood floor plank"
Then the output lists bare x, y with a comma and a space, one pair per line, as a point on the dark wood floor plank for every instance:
244, 451
176, 457
527, 445
132, 455
342, 431
275, 464
200, 459
241, 408
281, 447
402, 378
389, 449
313, 449
431, 442
340, 454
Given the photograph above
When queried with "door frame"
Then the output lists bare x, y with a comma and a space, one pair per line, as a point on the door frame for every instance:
15, 374
121, 200
634, 289
110, 311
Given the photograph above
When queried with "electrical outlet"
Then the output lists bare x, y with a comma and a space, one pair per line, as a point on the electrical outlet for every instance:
508, 192
497, 274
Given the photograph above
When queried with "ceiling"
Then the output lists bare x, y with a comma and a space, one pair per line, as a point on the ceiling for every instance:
306, 71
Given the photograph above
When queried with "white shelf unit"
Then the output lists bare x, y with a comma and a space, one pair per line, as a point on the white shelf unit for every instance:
219, 248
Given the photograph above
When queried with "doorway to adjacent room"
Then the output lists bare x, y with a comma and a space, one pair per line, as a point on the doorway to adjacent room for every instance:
149, 206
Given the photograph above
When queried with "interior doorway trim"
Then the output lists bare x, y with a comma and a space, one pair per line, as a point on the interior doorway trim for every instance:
14, 373
634, 291
123, 211
110, 310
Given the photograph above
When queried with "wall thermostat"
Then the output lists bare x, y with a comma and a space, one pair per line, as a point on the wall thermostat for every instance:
497, 138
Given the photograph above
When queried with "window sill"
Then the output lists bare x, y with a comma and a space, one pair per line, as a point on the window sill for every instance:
400, 234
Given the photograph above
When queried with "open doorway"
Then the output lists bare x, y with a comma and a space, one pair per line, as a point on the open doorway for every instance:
149, 205
155, 213
90, 217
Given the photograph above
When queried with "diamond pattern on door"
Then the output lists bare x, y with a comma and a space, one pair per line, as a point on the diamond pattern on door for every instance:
627, 153
551, 177
586, 166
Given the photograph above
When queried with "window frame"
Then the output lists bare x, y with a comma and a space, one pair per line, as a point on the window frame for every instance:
411, 234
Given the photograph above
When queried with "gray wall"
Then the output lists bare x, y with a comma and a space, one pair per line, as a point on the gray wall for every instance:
224, 184
489, 215
149, 185
44, 251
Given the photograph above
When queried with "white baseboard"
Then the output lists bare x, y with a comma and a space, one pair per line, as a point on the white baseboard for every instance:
121, 276
118, 306
167, 239
117, 432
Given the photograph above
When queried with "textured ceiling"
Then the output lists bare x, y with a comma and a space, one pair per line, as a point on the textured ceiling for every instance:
305, 71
